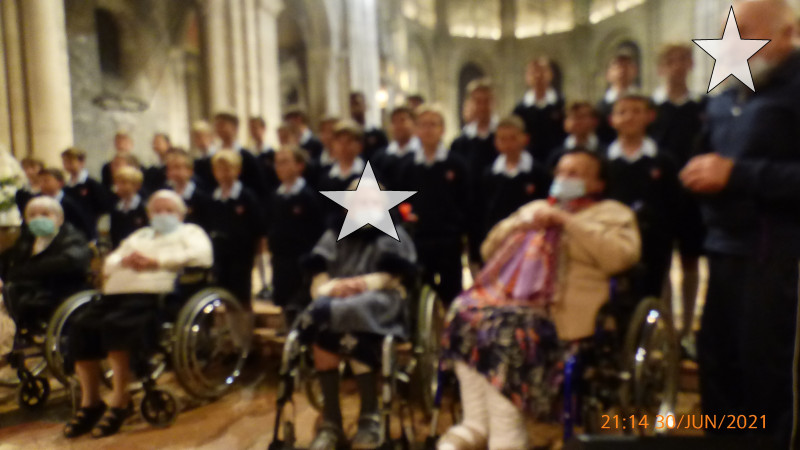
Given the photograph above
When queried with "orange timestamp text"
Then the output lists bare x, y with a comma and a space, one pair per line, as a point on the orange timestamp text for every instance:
683, 421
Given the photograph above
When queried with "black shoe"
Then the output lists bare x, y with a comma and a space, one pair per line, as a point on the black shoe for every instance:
112, 421
329, 437
83, 420
368, 436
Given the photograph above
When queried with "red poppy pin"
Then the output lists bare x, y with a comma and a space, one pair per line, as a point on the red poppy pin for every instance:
450, 175
530, 189
655, 174
297, 210
84, 192
240, 210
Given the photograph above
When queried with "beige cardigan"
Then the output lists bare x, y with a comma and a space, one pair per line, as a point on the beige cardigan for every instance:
598, 242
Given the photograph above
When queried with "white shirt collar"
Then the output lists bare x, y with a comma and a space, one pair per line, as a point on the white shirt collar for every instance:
294, 189
441, 155
236, 191
471, 129
661, 96
188, 191
40, 244
306, 136
357, 167
264, 149
394, 147
83, 175
133, 204
550, 98
570, 143
648, 148
59, 196
325, 157
612, 94
235, 146
524, 165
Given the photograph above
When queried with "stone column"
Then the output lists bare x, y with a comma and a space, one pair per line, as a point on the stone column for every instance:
47, 75
267, 23
363, 37
251, 58
238, 86
5, 112
216, 42
15, 79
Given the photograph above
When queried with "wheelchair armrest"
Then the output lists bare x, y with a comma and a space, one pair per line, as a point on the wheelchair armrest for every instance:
194, 275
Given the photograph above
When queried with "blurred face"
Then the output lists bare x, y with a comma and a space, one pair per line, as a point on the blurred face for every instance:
225, 129
358, 107
580, 122
482, 102
49, 185
414, 103
225, 173
766, 20
538, 75
326, 133
510, 141
257, 130
346, 147
164, 206
430, 129
675, 66
402, 127
71, 165
202, 139
468, 111
286, 167
126, 188
287, 137
178, 171
32, 173
118, 163
38, 211
582, 167
631, 117
160, 145
123, 143
622, 72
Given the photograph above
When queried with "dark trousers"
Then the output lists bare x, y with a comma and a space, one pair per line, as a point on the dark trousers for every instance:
234, 272
441, 257
747, 342
291, 288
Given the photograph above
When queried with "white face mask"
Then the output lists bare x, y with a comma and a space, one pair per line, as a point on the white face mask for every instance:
165, 223
565, 189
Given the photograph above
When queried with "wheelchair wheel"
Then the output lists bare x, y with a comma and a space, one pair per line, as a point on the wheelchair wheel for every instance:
159, 407
427, 348
34, 362
651, 349
57, 338
213, 335
33, 392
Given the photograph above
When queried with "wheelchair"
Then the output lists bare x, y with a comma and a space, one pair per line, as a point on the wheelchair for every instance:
204, 337
629, 363
408, 371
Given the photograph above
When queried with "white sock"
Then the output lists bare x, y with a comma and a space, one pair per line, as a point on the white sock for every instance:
473, 387
506, 423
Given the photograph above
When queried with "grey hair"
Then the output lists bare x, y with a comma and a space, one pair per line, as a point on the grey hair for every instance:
49, 203
166, 194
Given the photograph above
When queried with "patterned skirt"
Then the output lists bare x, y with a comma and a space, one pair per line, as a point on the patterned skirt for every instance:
515, 347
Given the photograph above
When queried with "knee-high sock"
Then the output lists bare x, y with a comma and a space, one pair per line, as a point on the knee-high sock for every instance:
367, 380
506, 423
331, 411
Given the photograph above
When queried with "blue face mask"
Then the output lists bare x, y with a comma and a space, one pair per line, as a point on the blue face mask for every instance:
566, 189
42, 226
165, 223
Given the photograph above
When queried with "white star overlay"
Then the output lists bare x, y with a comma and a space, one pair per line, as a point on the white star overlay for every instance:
368, 204
731, 54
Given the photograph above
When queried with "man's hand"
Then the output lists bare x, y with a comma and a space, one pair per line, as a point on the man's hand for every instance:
139, 262
348, 286
707, 174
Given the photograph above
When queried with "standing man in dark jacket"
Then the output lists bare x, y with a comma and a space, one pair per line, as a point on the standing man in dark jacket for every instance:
750, 186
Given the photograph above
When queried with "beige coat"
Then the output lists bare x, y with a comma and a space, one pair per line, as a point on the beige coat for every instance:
598, 242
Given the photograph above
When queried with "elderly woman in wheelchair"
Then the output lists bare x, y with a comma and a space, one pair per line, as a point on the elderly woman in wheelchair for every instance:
547, 276
123, 320
358, 298
49, 262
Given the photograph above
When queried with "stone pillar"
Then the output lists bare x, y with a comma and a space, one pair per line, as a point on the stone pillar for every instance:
216, 43
267, 24
238, 82
251, 58
362, 28
47, 75
5, 112
15, 79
